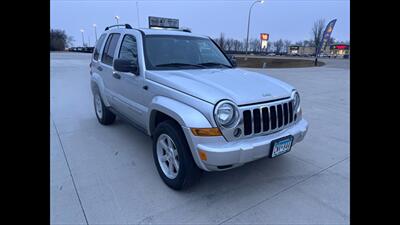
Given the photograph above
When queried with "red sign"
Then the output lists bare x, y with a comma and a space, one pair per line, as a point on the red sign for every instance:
264, 37
341, 46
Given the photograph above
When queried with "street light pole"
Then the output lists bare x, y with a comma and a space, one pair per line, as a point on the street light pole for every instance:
95, 31
83, 38
117, 18
248, 23
137, 10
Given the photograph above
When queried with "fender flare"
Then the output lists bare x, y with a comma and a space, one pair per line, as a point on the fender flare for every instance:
96, 82
187, 117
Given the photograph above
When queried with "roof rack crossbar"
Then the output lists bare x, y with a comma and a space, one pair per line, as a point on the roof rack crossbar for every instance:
185, 29
127, 26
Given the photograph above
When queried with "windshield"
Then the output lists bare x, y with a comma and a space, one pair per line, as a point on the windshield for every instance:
182, 52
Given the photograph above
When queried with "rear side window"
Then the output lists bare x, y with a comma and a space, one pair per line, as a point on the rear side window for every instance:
128, 48
109, 49
99, 43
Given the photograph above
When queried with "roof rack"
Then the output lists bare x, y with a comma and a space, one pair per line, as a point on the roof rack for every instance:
184, 29
127, 26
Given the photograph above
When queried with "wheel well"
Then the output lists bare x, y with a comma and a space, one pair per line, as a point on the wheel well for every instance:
157, 117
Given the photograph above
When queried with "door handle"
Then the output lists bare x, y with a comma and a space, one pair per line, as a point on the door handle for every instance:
100, 68
116, 75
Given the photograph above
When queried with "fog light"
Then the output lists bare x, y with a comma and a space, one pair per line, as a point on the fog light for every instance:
237, 132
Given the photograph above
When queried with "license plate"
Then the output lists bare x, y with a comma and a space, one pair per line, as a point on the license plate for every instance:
281, 146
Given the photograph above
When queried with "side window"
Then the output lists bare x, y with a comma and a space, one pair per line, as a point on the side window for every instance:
99, 43
109, 49
128, 48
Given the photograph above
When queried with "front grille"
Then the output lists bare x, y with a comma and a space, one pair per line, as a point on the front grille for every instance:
267, 119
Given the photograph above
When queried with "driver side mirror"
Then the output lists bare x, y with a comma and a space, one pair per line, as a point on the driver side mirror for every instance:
233, 61
126, 65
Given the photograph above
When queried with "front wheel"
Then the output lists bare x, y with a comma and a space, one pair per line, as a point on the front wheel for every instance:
173, 157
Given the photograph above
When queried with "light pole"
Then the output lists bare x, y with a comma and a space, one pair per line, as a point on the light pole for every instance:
137, 10
83, 38
117, 18
248, 23
95, 31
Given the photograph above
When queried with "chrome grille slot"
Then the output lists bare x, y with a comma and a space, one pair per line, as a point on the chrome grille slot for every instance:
265, 115
257, 120
247, 122
273, 117
290, 111
285, 114
280, 115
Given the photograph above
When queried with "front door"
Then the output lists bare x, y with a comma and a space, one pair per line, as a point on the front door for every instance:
131, 89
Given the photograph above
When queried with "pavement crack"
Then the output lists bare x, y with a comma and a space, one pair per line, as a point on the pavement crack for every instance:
281, 191
70, 173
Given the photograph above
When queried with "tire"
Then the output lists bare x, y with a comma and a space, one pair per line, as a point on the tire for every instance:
103, 114
188, 172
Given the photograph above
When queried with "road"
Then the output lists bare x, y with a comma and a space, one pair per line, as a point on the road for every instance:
106, 174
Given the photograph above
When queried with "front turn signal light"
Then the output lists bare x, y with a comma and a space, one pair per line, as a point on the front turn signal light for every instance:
206, 131
203, 155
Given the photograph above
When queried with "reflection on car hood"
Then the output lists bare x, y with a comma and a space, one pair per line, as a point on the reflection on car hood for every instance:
213, 85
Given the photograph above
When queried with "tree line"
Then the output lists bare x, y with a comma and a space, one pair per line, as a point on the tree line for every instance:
279, 46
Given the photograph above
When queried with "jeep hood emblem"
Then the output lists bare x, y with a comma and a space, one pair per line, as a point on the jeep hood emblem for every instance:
266, 94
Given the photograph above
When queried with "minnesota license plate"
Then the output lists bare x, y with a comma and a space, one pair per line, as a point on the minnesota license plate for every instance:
281, 146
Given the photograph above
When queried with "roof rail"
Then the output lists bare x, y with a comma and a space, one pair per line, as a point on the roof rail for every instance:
127, 26
184, 29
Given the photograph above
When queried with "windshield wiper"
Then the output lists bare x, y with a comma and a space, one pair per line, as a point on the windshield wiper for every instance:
214, 64
179, 65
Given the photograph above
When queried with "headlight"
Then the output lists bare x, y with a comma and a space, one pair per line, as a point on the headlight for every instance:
296, 100
226, 114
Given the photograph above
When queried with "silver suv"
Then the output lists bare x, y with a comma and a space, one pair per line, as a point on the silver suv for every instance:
185, 92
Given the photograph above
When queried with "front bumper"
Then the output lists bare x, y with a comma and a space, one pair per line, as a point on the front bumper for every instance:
222, 155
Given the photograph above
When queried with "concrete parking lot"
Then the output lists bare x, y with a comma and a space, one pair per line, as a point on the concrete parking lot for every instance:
106, 174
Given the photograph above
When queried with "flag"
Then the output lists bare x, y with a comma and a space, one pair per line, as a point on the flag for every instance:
326, 36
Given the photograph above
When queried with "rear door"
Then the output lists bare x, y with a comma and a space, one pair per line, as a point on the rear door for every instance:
111, 84
95, 63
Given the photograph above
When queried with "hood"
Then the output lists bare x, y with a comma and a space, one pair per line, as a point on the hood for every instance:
212, 85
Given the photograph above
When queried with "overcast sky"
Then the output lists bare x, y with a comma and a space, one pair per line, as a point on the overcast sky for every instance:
286, 19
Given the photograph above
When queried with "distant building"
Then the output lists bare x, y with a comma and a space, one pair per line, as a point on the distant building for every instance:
334, 50
301, 50
339, 50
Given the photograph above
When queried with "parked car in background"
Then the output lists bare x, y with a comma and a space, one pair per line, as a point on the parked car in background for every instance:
324, 55
81, 49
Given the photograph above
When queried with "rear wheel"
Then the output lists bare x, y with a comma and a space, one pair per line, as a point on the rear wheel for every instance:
104, 115
173, 157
